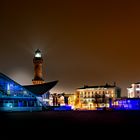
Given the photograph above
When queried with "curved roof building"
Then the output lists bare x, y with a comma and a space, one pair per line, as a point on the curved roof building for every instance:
41, 89
15, 97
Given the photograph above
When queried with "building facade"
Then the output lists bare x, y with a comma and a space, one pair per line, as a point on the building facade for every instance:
127, 104
14, 97
60, 99
134, 90
38, 61
93, 97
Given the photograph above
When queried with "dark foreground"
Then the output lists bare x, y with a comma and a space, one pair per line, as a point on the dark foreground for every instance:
70, 125
69, 120
56, 119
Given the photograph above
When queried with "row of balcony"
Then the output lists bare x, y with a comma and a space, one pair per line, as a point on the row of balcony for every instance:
94, 96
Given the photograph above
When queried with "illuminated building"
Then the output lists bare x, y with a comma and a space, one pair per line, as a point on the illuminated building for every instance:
15, 97
38, 61
93, 97
134, 90
127, 104
62, 99
38, 81
42, 91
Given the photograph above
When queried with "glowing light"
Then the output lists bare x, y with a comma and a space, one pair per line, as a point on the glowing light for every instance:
107, 95
8, 88
46, 100
38, 55
138, 89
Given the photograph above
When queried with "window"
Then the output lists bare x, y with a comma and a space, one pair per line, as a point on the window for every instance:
93, 94
90, 94
85, 94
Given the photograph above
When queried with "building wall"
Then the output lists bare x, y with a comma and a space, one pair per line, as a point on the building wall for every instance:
134, 91
127, 104
91, 98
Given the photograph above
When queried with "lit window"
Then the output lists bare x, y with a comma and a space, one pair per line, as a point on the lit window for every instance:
90, 94
87, 94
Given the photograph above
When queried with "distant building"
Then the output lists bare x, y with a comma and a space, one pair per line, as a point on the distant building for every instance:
134, 90
92, 97
42, 91
61, 99
15, 97
38, 80
38, 61
127, 104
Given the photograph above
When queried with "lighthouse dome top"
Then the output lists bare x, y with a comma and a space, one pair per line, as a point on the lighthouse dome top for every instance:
38, 53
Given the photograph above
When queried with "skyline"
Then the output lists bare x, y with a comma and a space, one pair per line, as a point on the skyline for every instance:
83, 43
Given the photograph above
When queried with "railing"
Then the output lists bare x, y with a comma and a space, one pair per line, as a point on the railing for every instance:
10, 109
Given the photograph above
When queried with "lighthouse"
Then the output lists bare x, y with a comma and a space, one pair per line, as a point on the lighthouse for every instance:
38, 61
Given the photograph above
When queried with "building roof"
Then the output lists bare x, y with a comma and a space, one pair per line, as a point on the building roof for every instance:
40, 89
100, 86
33, 89
137, 83
5, 86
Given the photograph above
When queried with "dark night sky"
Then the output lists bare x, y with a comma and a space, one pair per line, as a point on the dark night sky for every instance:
83, 42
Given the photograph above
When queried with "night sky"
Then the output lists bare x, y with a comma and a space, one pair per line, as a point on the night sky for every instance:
83, 42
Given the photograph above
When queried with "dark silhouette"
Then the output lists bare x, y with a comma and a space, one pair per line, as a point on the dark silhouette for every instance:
96, 99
